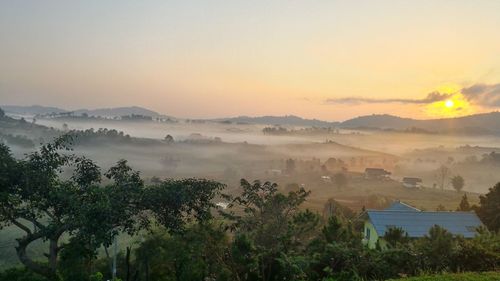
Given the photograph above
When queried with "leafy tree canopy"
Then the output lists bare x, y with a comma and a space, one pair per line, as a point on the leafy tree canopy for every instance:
39, 198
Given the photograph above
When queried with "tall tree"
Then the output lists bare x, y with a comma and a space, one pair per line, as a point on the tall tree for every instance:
290, 166
489, 208
442, 174
340, 180
437, 248
271, 224
169, 139
37, 199
458, 183
396, 236
464, 205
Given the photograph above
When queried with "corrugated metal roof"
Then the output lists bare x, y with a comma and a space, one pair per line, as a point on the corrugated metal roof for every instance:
417, 224
400, 206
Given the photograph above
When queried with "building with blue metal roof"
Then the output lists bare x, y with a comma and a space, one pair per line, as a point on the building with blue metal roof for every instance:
415, 223
400, 206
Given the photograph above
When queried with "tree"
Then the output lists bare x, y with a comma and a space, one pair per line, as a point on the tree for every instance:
440, 208
395, 236
442, 175
290, 166
272, 224
464, 205
340, 180
45, 206
458, 183
169, 139
199, 253
436, 248
334, 208
489, 208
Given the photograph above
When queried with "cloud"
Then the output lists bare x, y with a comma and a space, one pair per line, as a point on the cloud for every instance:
430, 98
487, 95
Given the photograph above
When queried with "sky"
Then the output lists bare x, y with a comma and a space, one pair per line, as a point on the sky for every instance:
330, 60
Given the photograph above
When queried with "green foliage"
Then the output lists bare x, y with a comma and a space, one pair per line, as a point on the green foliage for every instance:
76, 260
272, 224
32, 191
458, 183
92, 137
489, 209
96, 277
482, 276
20, 274
464, 205
436, 249
272, 237
18, 140
198, 253
479, 254
334, 208
173, 202
338, 230
244, 260
396, 236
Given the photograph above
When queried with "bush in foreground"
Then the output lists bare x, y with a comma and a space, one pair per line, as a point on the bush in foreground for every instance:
481, 276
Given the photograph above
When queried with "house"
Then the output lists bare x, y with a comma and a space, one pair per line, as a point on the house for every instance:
400, 206
412, 182
376, 174
415, 223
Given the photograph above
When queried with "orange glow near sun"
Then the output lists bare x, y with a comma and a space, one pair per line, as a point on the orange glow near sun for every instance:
456, 105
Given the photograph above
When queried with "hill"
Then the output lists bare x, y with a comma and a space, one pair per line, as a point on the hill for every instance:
104, 112
31, 110
383, 121
291, 120
483, 123
118, 111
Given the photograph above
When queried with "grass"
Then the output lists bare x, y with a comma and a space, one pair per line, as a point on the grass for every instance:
470, 276
358, 190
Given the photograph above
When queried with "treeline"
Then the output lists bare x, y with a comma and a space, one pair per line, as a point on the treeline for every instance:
18, 140
258, 234
86, 116
278, 130
91, 136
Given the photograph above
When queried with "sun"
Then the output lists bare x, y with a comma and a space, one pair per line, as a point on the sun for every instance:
454, 106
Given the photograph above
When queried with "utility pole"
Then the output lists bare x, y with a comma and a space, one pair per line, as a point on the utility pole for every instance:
115, 252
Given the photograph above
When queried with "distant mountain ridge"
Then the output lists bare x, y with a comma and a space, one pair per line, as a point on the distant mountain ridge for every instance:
118, 111
279, 120
477, 123
32, 109
483, 123
105, 112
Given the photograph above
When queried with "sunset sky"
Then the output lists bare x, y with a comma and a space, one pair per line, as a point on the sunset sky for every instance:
331, 60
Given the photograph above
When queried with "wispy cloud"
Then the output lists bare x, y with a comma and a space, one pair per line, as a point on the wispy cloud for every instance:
487, 95
430, 98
